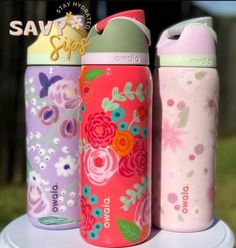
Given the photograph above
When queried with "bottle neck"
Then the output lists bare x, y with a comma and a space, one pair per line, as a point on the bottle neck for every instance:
116, 58
186, 61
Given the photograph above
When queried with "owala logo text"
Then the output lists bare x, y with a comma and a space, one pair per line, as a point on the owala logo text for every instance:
59, 41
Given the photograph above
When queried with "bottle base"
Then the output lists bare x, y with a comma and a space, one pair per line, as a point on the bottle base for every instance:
114, 245
183, 229
52, 227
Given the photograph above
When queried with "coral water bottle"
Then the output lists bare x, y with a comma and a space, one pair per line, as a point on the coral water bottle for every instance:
115, 132
185, 126
51, 102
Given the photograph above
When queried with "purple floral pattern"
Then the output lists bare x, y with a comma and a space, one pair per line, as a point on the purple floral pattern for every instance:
64, 94
51, 118
48, 114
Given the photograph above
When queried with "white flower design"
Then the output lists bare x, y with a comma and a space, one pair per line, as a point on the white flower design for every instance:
66, 166
188, 82
35, 178
76, 23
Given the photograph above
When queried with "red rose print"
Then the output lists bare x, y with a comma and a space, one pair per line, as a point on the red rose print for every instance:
100, 130
86, 219
135, 162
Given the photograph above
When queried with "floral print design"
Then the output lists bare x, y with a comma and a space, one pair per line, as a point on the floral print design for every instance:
100, 164
68, 128
171, 136
100, 130
113, 147
135, 163
49, 114
46, 83
89, 214
38, 204
189, 124
64, 94
86, 219
210, 105
143, 211
122, 143
51, 142
66, 166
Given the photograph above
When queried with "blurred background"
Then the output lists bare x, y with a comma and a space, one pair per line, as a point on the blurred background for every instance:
159, 15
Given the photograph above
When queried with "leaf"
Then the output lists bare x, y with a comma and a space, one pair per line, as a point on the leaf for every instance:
44, 80
139, 88
200, 75
105, 102
129, 95
126, 202
108, 105
115, 92
132, 193
138, 187
146, 91
180, 218
183, 117
128, 87
144, 181
29, 166
129, 230
124, 199
112, 106
43, 92
54, 220
120, 98
93, 74
54, 79
190, 173
141, 97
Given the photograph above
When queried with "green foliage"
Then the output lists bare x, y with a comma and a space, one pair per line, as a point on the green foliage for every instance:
128, 229
126, 94
55, 220
134, 195
93, 74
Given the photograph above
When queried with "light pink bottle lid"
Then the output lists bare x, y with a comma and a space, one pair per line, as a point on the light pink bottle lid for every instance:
190, 43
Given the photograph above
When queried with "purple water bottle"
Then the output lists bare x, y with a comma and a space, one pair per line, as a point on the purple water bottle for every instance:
51, 102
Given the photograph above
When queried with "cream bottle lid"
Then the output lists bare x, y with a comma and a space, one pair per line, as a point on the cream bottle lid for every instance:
59, 48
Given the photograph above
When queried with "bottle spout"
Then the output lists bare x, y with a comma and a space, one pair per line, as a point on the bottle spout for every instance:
136, 14
177, 29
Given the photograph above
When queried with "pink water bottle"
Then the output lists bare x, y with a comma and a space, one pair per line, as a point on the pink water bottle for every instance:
115, 132
185, 126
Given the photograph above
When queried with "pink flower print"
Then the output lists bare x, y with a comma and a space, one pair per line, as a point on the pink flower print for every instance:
143, 211
100, 164
64, 94
171, 136
210, 105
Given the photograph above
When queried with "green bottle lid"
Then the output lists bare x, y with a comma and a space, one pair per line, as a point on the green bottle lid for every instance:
122, 38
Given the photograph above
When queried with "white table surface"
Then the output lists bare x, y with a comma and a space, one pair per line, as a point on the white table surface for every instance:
21, 234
